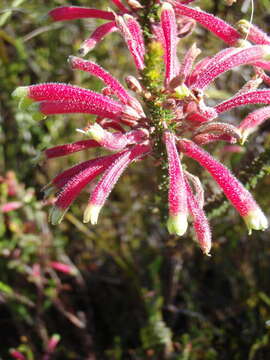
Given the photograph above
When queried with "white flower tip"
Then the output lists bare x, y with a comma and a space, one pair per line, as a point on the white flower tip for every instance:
81, 131
182, 91
243, 25
84, 49
256, 220
128, 17
266, 51
206, 250
242, 43
91, 214
20, 92
177, 224
131, 113
96, 132
134, 4
243, 136
166, 6
56, 215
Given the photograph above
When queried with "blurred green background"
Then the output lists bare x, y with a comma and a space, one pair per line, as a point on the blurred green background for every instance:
132, 291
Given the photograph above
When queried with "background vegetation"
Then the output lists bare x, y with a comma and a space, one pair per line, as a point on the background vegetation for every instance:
131, 292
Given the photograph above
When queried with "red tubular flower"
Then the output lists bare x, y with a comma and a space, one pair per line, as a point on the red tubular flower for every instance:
64, 13
187, 64
219, 129
120, 6
177, 197
234, 59
200, 222
169, 27
252, 121
53, 342
17, 355
110, 81
217, 26
75, 185
67, 149
55, 98
60, 180
136, 32
97, 36
109, 179
134, 41
204, 139
64, 268
251, 97
240, 198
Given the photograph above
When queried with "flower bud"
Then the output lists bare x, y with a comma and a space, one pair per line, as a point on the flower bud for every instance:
133, 84
134, 4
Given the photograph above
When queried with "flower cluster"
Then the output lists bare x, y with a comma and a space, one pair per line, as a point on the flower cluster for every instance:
130, 130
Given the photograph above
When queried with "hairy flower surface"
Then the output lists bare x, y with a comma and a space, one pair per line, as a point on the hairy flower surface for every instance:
131, 129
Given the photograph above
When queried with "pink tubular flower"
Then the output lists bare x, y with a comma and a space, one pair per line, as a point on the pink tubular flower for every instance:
176, 113
240, 198
253, 120
55, 98
53, 342
109, 179
72, 182
113, 84
217, 26
251, 97
97, 36
133, 39
187, 64
17, 355
112, 141
64, 13
67, 149
120, 6
200, 222
169, 27
10, 206
64, 268
177, 222
236, 58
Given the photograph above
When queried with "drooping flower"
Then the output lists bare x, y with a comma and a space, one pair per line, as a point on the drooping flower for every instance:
126, 127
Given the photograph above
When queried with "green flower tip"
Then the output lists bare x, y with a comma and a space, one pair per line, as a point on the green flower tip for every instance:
177, 224
96, 132
20, 92
56, 215
36, 113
